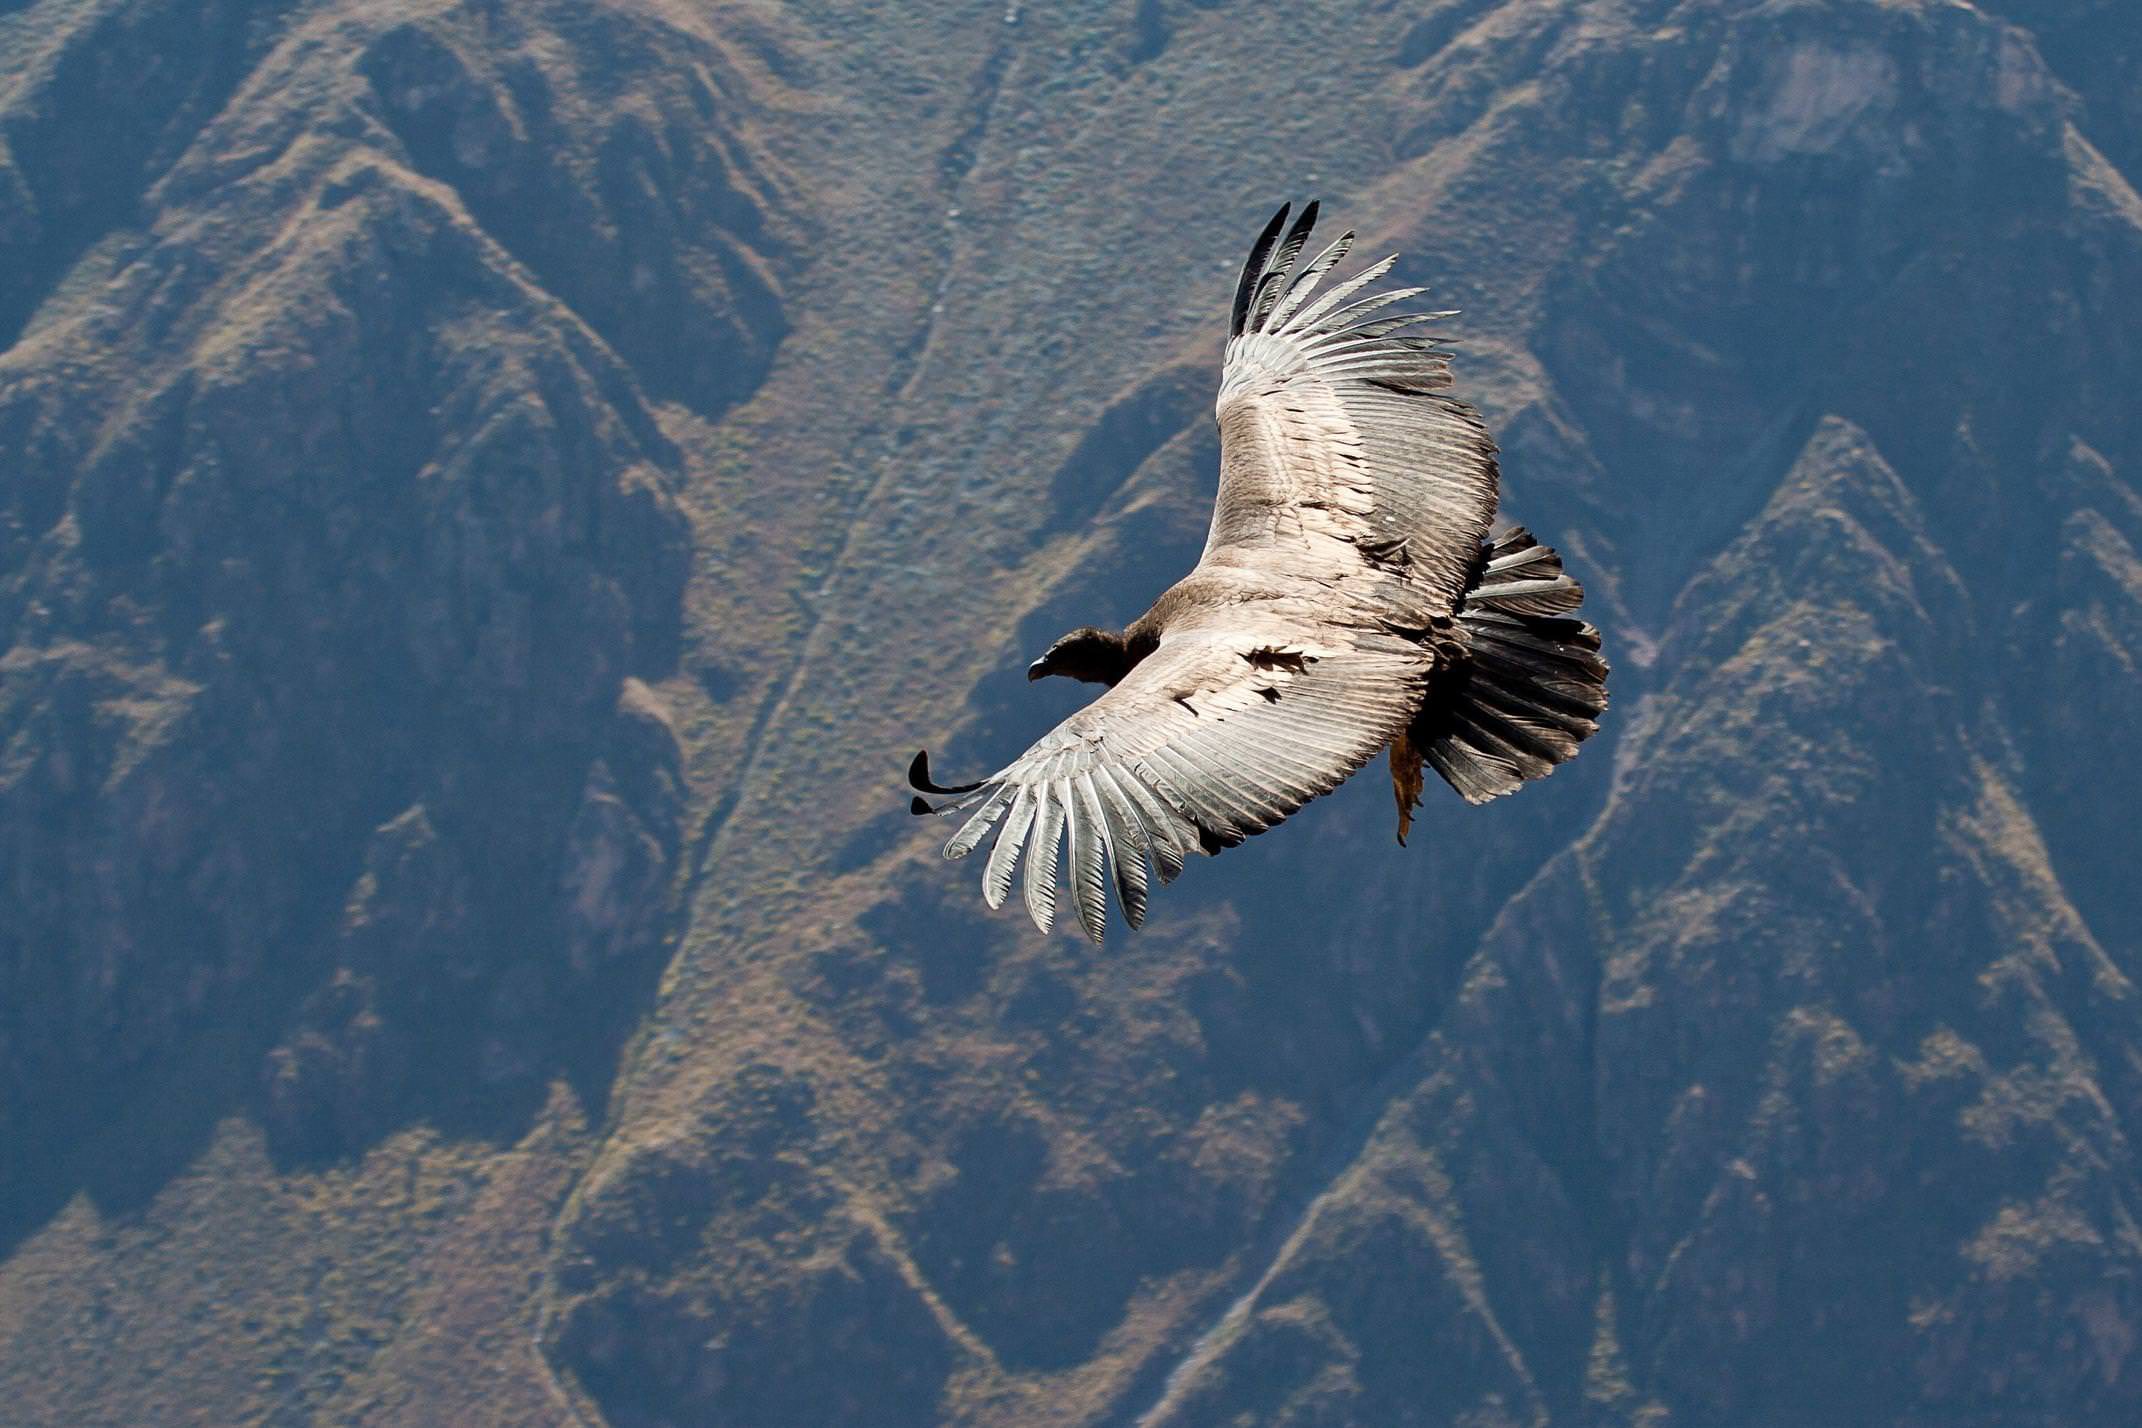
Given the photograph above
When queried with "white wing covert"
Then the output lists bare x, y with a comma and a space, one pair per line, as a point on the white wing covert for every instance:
1341, 452
1217, 735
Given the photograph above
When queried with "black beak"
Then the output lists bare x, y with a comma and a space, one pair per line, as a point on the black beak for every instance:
1035, 671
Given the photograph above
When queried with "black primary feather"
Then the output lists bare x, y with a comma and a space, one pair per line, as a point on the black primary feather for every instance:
1246, 287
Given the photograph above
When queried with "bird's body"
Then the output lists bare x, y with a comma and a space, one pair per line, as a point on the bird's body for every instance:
1349, 600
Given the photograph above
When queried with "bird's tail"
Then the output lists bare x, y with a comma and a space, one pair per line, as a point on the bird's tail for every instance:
1528, 691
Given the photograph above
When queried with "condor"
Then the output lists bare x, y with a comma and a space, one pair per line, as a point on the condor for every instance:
1352, 597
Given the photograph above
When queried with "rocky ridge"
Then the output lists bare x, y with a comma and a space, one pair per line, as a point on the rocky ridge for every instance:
1772, 1060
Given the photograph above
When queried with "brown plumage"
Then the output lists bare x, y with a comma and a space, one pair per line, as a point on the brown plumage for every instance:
1349, 599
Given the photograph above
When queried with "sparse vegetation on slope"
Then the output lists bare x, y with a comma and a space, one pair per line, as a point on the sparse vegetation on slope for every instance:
495, 493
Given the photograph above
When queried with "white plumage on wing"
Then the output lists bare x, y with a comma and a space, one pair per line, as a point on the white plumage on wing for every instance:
1349, 599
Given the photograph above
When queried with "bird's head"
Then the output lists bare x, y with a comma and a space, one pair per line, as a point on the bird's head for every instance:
1095, 656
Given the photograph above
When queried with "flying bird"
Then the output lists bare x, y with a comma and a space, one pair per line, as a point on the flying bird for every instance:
1354, 596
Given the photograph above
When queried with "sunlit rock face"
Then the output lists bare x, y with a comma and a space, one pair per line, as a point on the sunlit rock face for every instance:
494, 494
336, 543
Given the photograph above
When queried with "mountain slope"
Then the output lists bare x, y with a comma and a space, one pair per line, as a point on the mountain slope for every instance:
503, 493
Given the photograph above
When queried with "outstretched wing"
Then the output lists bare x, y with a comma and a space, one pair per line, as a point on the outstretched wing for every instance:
1354, 496
1341, 457
1221, 732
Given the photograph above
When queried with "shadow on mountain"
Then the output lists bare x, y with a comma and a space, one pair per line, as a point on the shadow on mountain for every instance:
340, 555
103, 122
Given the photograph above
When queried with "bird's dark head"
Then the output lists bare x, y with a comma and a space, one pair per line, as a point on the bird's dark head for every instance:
1095, 656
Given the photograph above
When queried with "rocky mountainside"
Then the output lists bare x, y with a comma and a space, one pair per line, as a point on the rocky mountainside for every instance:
493, 494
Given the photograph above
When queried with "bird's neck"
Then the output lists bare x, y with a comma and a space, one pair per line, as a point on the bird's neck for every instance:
1133, 645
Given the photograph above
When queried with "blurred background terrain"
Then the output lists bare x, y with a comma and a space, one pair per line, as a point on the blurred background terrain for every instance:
492, 494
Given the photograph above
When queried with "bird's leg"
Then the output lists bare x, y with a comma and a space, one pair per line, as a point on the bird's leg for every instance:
1406, 760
